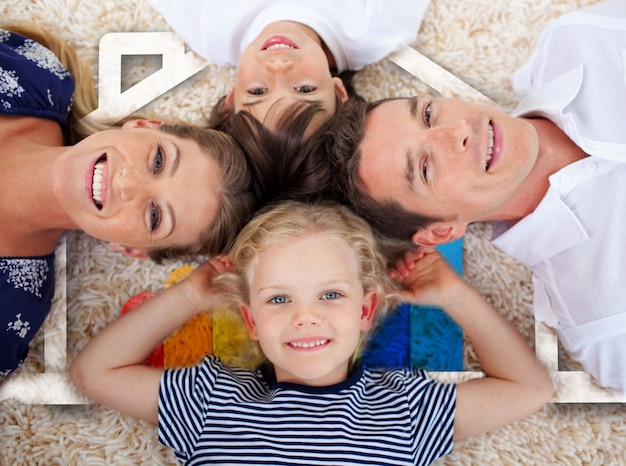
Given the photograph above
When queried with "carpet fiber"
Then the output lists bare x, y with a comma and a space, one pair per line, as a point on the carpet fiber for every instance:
481, 41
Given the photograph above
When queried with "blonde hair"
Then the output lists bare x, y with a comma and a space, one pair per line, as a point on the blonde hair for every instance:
291, 220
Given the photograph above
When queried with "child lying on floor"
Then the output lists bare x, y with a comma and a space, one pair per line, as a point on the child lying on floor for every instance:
310, 284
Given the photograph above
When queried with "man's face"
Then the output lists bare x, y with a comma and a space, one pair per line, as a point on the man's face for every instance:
446, 158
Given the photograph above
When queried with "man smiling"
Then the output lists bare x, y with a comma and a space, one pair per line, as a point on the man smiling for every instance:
553, 173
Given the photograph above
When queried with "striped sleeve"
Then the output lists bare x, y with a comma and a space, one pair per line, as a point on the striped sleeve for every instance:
183, 397
433, 407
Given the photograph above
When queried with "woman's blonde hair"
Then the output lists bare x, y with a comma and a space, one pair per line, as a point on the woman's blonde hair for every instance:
287, 221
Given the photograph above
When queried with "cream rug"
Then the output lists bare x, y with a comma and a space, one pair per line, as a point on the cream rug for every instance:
480, 41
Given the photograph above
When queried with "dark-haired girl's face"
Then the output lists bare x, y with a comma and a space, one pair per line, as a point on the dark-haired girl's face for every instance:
283, 65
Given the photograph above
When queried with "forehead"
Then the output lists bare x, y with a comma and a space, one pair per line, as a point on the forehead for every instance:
386, 148
197, 191
318, 256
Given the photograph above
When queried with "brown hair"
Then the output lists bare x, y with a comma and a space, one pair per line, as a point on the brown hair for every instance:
340, 143
235, 198
282, 168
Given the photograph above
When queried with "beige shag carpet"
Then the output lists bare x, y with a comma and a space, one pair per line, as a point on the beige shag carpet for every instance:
481, 41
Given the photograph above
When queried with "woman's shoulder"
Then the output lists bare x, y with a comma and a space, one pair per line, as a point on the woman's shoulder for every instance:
33, 82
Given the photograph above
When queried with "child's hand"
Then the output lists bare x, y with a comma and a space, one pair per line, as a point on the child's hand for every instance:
199, 284
427, 278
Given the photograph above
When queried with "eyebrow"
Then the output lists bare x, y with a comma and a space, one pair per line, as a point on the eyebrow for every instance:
409, 173
174, 167
252, 104
264, 99
176, 160
413, 101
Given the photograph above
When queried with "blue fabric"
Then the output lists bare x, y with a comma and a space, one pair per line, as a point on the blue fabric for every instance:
419, 336
33, 82
26, 291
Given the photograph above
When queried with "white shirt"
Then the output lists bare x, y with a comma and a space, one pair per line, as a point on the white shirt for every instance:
574, 241
357, 32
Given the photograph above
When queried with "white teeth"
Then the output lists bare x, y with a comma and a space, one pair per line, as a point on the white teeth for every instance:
489, 144
310, 344
96, 187
279, 46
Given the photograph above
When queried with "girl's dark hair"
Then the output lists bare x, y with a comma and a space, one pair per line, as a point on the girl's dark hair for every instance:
281, 165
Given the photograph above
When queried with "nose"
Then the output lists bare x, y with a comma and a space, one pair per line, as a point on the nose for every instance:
305, 315
453, 137
129, 184
279, 65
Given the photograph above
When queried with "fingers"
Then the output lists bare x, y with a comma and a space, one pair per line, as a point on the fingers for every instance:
407, 263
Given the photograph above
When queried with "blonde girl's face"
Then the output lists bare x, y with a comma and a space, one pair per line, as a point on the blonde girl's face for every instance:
308, 309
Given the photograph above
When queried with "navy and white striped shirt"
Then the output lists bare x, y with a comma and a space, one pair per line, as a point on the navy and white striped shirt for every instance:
212, 414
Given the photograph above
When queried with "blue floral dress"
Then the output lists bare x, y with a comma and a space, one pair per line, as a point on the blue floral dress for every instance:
33, 82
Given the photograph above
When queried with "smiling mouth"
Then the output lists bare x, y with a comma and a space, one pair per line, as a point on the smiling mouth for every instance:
308, 344
279, 47
278, 43
489, 146
96, 184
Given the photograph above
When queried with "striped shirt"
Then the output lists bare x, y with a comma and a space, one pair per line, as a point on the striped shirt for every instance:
212, 414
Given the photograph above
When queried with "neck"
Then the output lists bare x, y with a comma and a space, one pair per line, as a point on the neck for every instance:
32, 219
27, 195
555, 151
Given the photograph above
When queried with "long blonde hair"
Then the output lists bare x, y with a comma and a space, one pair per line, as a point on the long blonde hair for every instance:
291, 220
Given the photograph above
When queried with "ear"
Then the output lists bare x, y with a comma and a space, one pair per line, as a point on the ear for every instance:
368, 309
249, 320
141, 123
439, 234
229, 101
340, 89
132, 252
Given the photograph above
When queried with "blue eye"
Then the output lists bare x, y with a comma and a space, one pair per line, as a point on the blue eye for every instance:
278, 300
331, 295
159, 161
305, 89
155, 217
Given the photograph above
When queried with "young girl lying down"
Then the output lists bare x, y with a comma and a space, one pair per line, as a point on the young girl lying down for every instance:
310, 284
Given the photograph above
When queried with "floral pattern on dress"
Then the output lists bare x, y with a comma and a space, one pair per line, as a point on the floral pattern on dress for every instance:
9, 83
43, 57
20, 327
26, 274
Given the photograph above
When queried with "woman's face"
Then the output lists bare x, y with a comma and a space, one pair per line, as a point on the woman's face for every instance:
283, 65
138, 187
